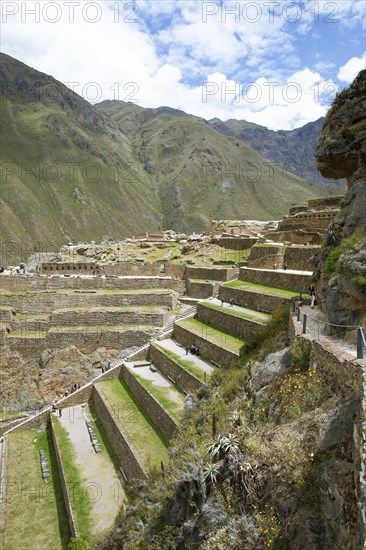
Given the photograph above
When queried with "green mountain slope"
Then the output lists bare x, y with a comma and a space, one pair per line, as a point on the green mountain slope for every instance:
294, 150
199, 173
74, 171
67, 172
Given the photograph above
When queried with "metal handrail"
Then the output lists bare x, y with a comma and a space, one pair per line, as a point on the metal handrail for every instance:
361, 341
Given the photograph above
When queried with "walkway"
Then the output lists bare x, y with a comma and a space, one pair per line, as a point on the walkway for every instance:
317, 328
172, 346
99, 475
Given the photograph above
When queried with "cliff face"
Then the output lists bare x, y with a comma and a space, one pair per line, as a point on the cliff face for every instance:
341, 153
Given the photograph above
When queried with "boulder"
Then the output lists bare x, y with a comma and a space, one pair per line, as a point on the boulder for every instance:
272, 366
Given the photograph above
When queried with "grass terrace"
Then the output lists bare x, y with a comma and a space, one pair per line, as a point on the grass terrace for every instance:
186, 364
148, 442
213, 335
35, 511
244, 313
169, 397
261, 289
27, 334
107, 328
81, 504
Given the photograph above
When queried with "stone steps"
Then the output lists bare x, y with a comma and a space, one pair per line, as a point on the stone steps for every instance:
236, 320
218, 347
190, 373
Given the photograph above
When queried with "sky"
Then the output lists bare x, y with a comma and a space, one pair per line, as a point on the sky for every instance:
275, 63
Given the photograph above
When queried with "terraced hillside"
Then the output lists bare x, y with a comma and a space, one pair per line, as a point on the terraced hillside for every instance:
117, 428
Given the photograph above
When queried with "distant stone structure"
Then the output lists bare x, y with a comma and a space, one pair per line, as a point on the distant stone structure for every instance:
87, 267
307, 224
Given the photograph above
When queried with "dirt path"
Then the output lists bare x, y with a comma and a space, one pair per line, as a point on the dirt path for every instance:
106, 492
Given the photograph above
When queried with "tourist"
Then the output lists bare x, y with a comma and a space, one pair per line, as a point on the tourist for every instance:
312, 296
231, 302
285, 266
222, 302
274, 265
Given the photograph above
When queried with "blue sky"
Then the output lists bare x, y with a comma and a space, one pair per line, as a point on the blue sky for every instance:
276, 63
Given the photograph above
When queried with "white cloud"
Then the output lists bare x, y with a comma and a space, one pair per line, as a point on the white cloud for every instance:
350, 70
161, 52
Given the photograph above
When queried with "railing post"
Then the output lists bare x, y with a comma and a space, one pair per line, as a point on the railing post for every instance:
298, 313
293, 305
304, 321
360, 346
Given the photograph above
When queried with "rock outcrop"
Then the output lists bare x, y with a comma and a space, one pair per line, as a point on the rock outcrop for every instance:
341, 153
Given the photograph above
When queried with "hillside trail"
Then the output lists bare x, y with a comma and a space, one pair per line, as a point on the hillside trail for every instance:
317, 327
100, 479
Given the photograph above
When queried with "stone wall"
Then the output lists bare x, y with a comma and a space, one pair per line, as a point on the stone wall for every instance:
24, 283
161, 418
213, 352
131, 465
251, 300
136, 269
201, 289
236, 326
235, 243
85, 340
265, 256
171, 369
49, 301
6, 314
298, 257
64, 485
88, 341
287, 281
212, 273
299, 236
314, 221
106, 317
71, 268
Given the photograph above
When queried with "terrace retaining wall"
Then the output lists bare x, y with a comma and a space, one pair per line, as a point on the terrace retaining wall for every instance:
213, 352
50, 301
64, 485
108, 415
251, 300
236, 326
40, 282
161, 418
172, 369
287, 281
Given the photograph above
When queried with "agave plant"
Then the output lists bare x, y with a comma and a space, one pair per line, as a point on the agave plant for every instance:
211, 472
223, 445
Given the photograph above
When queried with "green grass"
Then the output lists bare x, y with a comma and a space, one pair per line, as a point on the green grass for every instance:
81, 504
169, 397
102, 438
35, 512
107, 328
127, 309
140, 431
28, 334
245, 313
211, 334
189, 366
261, 289
20, 316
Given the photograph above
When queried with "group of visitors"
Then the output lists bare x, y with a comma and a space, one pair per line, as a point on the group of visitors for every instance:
193, 350
231, 302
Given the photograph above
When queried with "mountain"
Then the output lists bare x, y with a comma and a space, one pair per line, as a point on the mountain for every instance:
67, 173
294, 150
200, 173
74, 171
